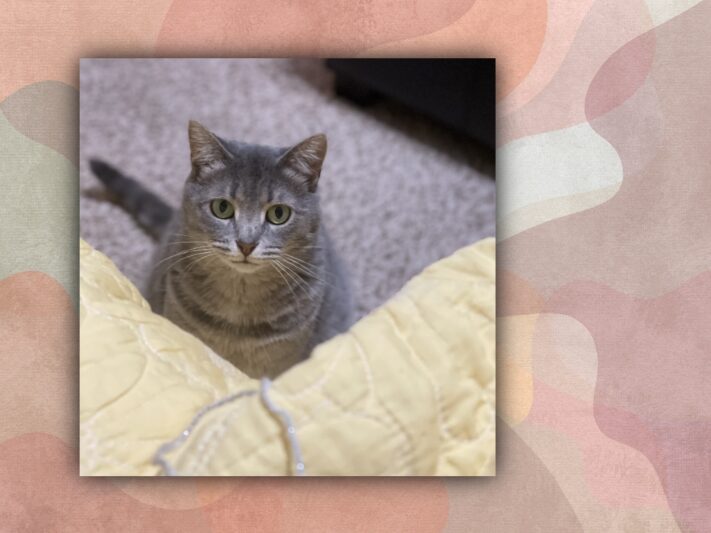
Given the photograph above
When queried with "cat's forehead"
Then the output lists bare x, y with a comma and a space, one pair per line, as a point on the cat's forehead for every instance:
253, 173
253, 165
254, 157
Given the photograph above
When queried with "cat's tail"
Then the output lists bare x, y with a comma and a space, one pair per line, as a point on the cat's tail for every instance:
152, 213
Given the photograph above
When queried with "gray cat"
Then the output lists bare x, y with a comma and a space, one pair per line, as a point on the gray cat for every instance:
245, 264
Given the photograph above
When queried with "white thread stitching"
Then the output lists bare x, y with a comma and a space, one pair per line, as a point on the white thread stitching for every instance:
172, 444
298, 467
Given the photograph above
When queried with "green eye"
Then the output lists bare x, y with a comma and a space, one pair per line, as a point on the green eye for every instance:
278, 214
222, 208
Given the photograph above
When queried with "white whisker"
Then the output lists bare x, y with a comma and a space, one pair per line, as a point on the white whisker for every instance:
193, 255
196, 261
277, 268
182, 252
299, 281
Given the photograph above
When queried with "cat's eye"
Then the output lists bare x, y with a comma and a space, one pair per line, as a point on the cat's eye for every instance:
222, 208
278, 214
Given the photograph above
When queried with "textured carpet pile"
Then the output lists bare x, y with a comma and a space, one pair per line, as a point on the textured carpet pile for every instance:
398, 192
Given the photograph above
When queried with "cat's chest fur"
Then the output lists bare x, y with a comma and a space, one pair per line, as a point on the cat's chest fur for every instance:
255, 321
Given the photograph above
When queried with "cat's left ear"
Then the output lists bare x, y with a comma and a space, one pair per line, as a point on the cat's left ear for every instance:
303, 162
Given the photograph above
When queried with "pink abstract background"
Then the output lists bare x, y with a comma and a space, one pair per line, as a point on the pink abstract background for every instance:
604, 264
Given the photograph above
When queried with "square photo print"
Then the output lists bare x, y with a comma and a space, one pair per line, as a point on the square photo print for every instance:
287, 267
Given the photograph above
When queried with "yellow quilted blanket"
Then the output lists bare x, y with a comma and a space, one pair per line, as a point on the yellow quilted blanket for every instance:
409, 390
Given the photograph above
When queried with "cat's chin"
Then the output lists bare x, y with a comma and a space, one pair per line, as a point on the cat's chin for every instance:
245, 268
242, 266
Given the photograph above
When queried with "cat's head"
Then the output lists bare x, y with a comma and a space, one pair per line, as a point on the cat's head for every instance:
253, 204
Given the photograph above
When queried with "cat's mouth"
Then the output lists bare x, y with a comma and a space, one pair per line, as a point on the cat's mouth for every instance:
240, 263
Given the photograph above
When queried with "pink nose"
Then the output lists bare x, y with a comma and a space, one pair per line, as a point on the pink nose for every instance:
246, 247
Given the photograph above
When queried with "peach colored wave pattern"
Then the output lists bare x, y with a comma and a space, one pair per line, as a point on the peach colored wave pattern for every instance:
604, 264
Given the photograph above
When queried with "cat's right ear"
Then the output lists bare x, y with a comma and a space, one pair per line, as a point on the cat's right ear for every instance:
207, 153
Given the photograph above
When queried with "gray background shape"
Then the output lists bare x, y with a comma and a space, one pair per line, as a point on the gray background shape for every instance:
398, 192
38, 184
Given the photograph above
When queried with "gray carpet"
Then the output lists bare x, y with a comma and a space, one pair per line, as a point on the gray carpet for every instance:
398, 192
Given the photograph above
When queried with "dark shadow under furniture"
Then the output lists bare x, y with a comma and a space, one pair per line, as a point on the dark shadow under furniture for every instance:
459, 93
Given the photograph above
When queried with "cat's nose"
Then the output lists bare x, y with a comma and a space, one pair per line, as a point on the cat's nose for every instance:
246, 247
